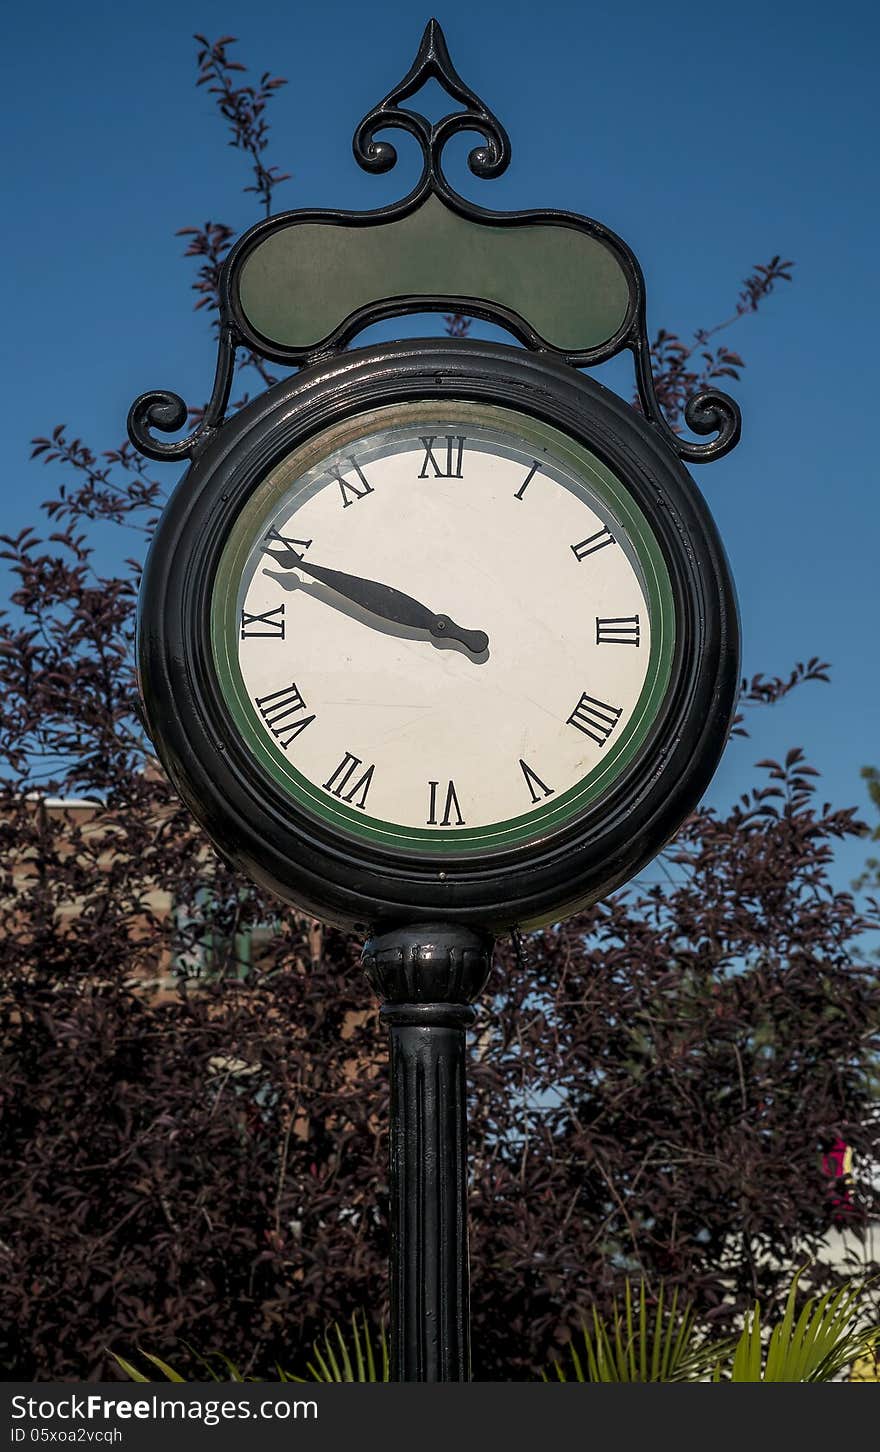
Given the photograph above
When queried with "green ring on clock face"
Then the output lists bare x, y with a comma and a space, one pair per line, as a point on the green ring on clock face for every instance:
519, 517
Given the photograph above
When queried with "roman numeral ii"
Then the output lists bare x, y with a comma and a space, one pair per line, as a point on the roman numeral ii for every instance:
592, 543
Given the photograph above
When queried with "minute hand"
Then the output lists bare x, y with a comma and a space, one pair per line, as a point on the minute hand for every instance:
394, 605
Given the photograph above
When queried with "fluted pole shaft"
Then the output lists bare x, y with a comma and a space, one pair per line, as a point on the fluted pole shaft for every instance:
418, 971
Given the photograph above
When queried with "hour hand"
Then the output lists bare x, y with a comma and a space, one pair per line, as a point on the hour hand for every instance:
384, 601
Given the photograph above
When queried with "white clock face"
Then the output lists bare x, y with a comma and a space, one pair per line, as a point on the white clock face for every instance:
443, 627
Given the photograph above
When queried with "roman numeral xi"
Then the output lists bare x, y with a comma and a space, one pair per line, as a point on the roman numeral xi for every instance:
281, 712
594, 718
351, 491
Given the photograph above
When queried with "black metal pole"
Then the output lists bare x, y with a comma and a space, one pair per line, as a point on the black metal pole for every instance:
428, 976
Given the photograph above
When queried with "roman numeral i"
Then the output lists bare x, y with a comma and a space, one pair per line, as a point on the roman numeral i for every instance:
277, 710
450, 806
618, 630
454, 451
338, 783
594, 718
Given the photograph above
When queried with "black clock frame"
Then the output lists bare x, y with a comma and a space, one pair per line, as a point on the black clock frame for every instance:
318, 867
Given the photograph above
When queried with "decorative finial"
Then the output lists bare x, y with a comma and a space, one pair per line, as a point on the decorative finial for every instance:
432, 62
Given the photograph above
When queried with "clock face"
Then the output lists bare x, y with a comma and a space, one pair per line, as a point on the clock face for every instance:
442, 627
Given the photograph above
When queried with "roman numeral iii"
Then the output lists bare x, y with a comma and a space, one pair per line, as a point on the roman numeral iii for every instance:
451, 805
268, 626
617, 630
350, 491
341, 785
594, 718
281, 712
452, 461
592, 543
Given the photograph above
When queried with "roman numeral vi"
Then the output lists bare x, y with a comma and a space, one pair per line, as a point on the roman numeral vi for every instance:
450, 806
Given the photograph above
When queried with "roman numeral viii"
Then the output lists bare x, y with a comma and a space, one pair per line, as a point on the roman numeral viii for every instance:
454, 451
341, 785
618, 630
281, 712
350, 491
594, 718
450, 806
268, 626
592, 543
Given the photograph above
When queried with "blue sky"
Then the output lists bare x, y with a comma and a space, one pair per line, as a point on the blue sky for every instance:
709, 138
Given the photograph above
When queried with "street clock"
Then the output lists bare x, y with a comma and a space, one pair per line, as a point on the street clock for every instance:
436, 638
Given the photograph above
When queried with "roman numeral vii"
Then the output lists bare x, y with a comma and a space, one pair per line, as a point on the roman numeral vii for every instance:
341, 785
594, 718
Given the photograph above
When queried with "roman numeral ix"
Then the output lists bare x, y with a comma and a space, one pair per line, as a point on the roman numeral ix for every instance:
618, 630
268, 626
454, 451
280, 710
450, 806
532, 781
346, 488
338, 783
594, 718
592, 543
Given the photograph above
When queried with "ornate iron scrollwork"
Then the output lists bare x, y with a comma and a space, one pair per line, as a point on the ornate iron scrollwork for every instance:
275, 244
433, 62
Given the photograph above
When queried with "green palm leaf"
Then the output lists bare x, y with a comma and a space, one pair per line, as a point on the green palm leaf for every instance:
815, 1346
639, 1343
